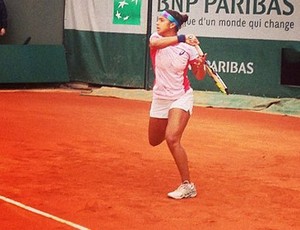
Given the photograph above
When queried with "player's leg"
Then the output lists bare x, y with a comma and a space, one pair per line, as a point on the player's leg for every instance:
157, 130
158, 121
177, 122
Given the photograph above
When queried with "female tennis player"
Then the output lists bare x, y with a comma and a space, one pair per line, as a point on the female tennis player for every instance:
172, 102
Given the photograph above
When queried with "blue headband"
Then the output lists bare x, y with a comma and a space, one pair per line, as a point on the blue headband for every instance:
168, 16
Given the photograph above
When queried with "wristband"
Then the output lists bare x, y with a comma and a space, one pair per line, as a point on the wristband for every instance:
181, 38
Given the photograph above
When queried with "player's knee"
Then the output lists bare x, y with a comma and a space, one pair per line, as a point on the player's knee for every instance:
151, 142
171, 140
154, 142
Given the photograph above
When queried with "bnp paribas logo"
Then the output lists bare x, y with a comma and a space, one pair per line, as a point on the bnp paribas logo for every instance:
127, 12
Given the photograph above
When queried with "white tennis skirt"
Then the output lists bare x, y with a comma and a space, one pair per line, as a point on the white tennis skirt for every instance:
160, 108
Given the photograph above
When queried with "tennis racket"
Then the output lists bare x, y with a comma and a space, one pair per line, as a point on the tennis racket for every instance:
213, 74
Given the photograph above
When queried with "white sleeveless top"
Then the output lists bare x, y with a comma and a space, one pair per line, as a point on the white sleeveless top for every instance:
170, 66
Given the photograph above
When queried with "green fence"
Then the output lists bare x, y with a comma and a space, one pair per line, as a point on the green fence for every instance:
33, 64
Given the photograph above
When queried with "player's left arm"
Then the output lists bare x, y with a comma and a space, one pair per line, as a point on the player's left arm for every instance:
198, 64
198, 67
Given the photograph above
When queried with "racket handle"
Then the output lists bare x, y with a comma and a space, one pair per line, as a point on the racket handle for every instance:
199, 50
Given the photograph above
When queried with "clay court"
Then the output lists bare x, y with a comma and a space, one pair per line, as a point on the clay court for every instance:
87, 160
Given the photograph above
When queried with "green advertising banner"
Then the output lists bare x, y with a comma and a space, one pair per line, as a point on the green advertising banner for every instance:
127, 12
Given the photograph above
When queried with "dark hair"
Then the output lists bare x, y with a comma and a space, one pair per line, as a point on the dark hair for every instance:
181, 18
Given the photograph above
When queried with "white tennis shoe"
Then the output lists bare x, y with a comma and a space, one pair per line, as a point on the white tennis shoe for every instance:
185, 190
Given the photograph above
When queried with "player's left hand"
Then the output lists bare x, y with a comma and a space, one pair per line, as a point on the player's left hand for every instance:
192, 40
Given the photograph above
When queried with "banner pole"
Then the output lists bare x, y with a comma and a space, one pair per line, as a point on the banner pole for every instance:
147, 53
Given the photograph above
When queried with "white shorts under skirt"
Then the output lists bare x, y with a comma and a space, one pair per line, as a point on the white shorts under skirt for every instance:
160, 108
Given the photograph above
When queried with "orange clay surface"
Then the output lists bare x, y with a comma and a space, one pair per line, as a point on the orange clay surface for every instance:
87, 160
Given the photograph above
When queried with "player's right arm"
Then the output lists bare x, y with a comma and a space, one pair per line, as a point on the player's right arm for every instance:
159, 42
162, 42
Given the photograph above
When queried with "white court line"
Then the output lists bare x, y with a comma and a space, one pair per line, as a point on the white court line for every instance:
76, 226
